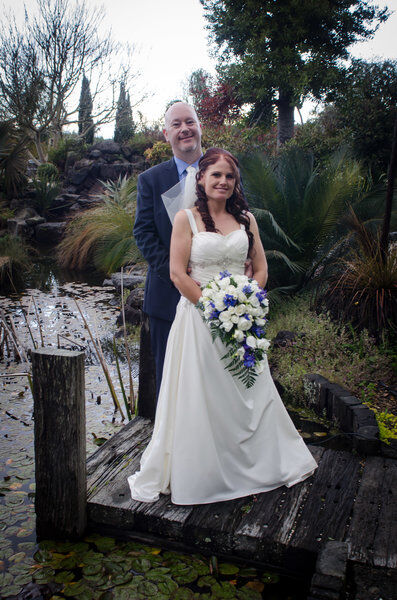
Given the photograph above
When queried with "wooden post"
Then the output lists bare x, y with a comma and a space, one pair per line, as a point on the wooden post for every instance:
147, 373
60, 443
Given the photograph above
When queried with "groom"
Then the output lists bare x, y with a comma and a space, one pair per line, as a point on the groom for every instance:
152, 229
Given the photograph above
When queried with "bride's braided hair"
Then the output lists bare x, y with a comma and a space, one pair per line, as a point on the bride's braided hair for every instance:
236, 205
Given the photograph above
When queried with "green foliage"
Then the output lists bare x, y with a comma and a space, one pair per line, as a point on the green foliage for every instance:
13, 159
366, 100
279, 52
14, 260
125, 127
387, 423
322, 135
298, 207
47, 171
362, 285
239, 139
102, 236
47, 187
86, 123
5, 214
159, 152
324, 347
70, 143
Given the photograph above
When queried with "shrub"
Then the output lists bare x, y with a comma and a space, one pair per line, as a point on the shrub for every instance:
14, 260
240, 140
102, 236
47, 188
58, 154
328, 348
47, 171
159, 152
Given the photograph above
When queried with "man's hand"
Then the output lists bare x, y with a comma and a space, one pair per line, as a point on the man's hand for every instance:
248, 270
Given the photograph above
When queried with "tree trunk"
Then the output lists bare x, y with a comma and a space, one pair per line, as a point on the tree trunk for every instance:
39, 147
285, 121
389, 195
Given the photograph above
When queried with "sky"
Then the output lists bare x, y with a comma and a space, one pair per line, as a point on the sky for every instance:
171, 42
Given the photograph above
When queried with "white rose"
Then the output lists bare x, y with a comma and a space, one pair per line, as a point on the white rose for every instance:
234, 319
251, 341
224, 283
259, 368
239, 336
260, 321
240, 309
244, 324
240, 352
263, 344
227, 325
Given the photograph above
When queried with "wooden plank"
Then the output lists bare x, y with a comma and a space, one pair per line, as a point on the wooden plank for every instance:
376, 507
59, 443
264, 532
121, 452
329, 504
210, 527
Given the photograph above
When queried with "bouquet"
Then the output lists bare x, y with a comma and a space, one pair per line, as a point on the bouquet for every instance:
235, 309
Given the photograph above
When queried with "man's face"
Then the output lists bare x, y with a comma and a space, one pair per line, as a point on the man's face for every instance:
182, 130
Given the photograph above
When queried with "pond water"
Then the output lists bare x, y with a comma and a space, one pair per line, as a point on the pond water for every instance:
98, 567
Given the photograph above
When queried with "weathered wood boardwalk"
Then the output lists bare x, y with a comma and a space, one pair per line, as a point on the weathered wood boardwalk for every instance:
350, 498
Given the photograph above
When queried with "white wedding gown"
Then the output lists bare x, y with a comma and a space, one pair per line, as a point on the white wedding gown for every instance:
213, 439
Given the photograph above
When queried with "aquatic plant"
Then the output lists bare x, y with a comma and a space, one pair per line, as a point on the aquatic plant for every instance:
14, 260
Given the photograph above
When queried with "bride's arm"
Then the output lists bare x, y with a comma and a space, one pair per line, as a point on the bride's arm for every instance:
181, 242
257, 254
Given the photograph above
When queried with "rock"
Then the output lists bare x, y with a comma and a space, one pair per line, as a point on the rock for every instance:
107, 283
50, 232
328, 581
31, 168
70, 197
107, 147
26, 213
95, 153
33, 221
135, 299
284, 338
87, 202
19, 227
129, 281
132, 316
115, 170
78, 177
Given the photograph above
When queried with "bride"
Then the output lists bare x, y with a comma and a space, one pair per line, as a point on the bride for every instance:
213, 439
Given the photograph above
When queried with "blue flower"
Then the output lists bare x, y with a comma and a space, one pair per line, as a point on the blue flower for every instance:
212, 304
258, 331
214, 314
246, 316
224, 274
247, 289
249, 360
229, 300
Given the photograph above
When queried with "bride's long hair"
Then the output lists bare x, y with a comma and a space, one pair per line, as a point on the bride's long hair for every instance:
236, 205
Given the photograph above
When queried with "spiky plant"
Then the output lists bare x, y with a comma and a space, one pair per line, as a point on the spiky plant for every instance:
102, 237
298, 208
362, 286
14, 260
13, 158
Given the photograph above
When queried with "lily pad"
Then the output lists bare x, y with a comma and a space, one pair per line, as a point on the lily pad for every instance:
245, 593
186, 574
167, 585
141, 565
206, 581
184, 594
44, 575
269, 577
104, 544
228, 569
93, 569
248, 572
223, 589
147, 588
64, 577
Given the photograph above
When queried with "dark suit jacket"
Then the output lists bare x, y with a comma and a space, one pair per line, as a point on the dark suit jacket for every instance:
152, 231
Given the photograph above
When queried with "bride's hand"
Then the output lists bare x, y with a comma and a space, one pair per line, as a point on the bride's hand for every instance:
188, 271
248, 270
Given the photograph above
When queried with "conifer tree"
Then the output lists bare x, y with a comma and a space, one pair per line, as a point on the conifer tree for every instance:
86, 123
125, 127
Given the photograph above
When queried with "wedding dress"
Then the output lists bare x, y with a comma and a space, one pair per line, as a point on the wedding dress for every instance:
213, 439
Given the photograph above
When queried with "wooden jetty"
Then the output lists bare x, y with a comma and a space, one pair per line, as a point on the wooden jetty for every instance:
349, 498
342, 518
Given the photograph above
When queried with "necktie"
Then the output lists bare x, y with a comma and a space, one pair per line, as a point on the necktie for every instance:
190, 195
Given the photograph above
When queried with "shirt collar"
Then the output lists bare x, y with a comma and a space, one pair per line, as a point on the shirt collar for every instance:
181, 165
